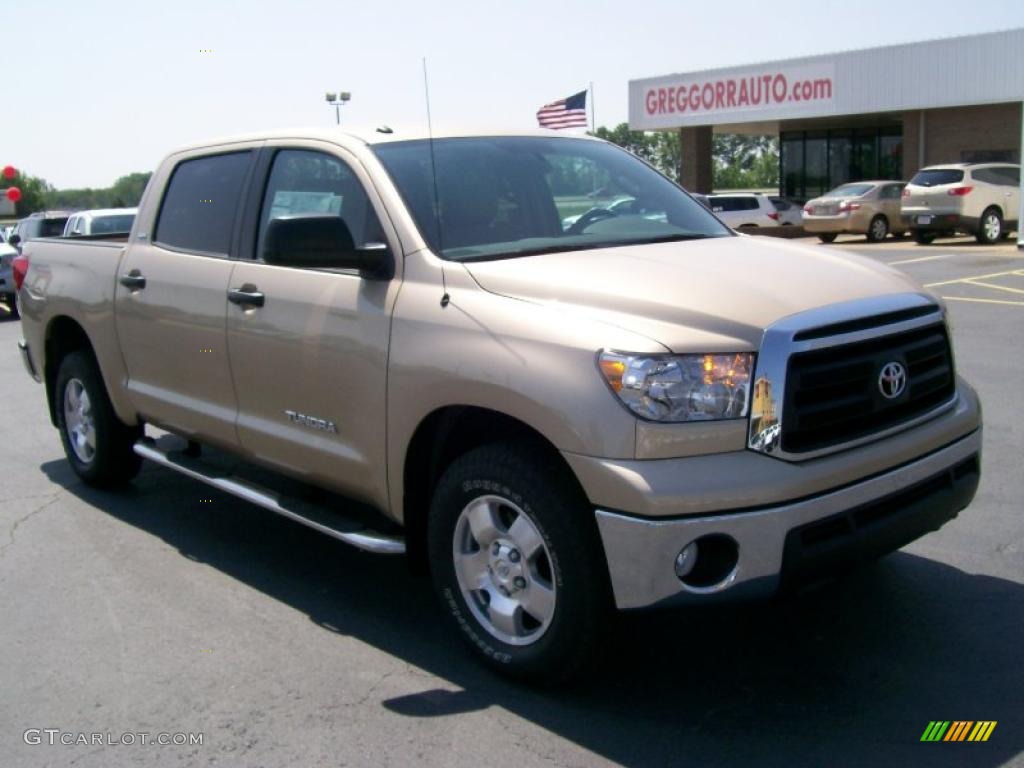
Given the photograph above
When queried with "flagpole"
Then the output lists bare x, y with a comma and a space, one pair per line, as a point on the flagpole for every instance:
592, 118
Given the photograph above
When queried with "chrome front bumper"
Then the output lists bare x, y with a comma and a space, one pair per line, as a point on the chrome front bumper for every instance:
881, 513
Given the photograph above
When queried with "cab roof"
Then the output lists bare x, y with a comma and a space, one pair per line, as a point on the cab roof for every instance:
382, 134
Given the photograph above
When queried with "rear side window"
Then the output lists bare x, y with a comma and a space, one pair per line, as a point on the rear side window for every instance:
937, 176
198, 209
1005, 176
733, 203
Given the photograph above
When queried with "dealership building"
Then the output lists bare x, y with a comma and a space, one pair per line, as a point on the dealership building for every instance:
878, 113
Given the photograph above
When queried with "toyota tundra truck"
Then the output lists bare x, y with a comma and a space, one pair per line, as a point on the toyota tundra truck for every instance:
556, 419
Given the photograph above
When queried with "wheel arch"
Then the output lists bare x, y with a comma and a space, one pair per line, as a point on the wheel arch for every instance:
441, 437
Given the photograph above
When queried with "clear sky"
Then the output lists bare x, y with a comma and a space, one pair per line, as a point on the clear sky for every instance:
95, 89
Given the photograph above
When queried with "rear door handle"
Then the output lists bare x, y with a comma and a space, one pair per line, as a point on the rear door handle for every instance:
247, 295
133, 280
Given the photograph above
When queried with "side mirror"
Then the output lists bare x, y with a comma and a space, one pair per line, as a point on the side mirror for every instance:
323, 241
14, 239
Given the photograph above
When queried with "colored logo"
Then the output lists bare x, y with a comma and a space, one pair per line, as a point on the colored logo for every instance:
892, 380
958, 730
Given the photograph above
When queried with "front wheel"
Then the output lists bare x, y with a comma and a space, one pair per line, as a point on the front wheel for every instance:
516, 561
98, 444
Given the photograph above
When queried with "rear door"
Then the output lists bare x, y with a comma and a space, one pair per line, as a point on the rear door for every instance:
310, 361
889, 203
171, 305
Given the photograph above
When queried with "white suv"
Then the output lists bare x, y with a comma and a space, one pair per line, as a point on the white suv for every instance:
981, 199
742, 210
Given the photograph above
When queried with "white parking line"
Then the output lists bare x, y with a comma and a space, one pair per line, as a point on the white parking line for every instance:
923, 258
984, 301
996, 287
975, 277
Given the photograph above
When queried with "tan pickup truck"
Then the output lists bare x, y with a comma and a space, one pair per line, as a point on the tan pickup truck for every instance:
558, 408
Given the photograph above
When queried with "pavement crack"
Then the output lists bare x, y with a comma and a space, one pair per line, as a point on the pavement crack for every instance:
14, 526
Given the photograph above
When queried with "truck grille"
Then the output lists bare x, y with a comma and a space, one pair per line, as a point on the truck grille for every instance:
833, 395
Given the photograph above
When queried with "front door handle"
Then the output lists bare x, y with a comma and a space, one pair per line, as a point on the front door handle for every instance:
246, 296
133, 280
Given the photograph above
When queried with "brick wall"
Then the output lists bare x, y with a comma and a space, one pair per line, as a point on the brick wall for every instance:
950, 132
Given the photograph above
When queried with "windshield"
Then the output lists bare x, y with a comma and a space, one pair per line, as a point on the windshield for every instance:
499, 197
52, 227
850, 190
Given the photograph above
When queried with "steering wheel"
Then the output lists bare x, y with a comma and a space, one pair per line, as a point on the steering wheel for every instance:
588, 218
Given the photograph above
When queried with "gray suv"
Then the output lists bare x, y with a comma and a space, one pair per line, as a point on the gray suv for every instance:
33, 227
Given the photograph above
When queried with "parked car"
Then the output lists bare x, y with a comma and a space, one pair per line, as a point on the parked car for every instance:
102, 221
636, 412
980, 199
743, 210
870, 208
7, 293
789, 212
702, 199
41, 224
623, 206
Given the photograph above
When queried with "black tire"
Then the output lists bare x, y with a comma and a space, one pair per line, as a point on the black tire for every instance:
827, 237
878, 229
113, 462
924, 236
990, 227
517, 474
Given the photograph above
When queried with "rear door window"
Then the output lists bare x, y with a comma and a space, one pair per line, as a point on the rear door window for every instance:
937, 176
1006, 175
198, 210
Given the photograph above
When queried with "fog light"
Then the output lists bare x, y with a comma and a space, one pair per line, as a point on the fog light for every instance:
686, 559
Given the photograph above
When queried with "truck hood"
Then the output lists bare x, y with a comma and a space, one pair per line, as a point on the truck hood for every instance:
709, 295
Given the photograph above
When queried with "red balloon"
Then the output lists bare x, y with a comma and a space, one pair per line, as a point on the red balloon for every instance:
14, 194
9, 171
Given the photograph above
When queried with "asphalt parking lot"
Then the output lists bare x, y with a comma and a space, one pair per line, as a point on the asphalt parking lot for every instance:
172, 608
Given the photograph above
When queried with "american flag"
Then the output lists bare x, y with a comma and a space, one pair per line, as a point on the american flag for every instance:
564, 113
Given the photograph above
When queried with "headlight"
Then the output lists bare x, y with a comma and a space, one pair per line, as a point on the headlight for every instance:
677, 388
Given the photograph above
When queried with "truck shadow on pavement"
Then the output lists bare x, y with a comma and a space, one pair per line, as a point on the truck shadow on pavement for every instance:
849, 674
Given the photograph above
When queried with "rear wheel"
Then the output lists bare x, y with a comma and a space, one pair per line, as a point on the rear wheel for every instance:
923, 236
516, 561
990, 227
98, 444
878, 229
827, 237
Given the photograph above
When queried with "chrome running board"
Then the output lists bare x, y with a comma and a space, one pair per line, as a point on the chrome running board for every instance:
318, 518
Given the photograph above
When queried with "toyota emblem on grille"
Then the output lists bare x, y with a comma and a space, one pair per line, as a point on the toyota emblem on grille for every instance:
892, 380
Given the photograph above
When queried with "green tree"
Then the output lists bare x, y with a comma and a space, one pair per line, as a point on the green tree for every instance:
33, 193
738, 161
125, 193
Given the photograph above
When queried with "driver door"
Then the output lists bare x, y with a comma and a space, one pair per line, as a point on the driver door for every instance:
309, 361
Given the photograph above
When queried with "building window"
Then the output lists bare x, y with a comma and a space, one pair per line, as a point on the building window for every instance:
813, 162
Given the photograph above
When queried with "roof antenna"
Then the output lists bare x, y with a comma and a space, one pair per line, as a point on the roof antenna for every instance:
445, 298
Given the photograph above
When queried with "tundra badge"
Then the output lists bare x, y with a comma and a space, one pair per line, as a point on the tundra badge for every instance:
311, 421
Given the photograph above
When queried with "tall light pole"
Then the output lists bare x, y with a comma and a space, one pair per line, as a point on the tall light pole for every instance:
337, 100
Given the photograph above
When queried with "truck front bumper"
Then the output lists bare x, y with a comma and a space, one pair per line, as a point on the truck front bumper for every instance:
746, 548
